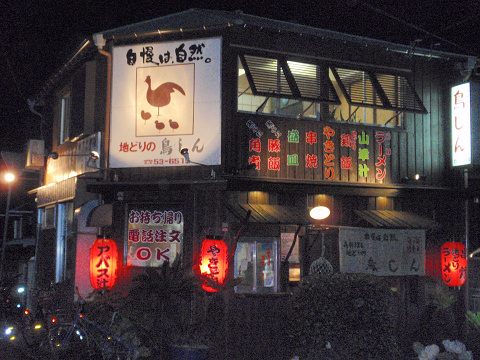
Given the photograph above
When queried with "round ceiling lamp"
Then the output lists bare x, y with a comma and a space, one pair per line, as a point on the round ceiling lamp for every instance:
319, 212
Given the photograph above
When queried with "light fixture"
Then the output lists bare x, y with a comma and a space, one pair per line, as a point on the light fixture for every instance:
185, 154
320, 212
419, 177
9, 177
94, 155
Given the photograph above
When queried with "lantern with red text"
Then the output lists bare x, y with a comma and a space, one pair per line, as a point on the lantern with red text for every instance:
454, 263
103, 264
213, 263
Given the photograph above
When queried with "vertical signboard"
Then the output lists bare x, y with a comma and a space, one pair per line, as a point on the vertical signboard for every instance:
155, 235
166, 97
461, 125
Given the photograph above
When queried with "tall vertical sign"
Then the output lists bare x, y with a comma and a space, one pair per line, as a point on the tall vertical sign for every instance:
461, 125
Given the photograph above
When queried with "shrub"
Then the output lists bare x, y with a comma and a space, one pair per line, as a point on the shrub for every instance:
353, 312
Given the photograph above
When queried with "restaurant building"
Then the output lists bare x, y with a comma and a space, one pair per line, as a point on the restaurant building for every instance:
208, 124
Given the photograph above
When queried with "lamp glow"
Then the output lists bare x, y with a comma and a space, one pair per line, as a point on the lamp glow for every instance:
9, 177
319, 212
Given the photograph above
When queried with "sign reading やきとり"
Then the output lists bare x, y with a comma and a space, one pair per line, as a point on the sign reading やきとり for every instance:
166, 97
385, 252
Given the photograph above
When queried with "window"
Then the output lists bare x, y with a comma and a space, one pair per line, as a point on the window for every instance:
277, 85
257, 265
48, 220
64, 229
64, 115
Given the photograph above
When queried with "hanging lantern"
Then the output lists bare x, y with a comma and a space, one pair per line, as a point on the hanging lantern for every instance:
103, 264
213, 262
454, 263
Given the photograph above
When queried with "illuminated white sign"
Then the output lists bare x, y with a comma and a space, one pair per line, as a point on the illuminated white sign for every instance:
166, 97
461, 135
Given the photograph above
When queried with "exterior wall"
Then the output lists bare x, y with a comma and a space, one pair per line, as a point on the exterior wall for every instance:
421, 147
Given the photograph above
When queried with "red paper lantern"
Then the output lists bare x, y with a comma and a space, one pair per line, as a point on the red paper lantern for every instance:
103, 264
213, 262
454, 263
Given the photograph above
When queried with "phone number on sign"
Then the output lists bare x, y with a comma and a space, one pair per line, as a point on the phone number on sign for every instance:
177, 161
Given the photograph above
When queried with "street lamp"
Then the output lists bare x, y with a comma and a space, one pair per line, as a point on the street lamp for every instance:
9, 178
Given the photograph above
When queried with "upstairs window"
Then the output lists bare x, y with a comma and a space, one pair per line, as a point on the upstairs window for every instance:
64, 115
281, 86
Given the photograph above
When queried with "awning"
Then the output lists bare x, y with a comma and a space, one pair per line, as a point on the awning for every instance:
395, 219
269, 214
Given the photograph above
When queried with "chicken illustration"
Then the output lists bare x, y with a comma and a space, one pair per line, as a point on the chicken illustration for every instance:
145, 116
173, 124
161, 95
159, 125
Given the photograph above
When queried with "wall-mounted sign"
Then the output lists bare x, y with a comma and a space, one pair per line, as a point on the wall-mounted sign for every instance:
461, 125
385, 252
314, 150
166, 97
155, 235
454, 263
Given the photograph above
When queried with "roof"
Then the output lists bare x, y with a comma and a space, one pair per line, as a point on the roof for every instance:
203, 19
269, 214
395, 219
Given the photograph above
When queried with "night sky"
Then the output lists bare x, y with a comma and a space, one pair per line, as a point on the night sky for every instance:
38, 36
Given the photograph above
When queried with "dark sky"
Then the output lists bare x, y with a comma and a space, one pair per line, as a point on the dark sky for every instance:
38, 36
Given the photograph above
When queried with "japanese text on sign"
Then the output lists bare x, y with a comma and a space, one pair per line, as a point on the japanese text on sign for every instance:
385, 252
154, 236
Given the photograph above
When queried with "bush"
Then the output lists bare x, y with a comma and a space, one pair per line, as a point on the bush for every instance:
353, 312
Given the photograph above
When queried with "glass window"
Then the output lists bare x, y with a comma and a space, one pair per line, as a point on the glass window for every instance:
277, 85
64, 115
48, 217
256, 264
64, 229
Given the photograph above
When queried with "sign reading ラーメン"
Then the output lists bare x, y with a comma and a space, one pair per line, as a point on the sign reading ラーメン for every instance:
155, 235
166, 97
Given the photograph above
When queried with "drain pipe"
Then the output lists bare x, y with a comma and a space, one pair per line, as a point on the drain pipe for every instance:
100, 42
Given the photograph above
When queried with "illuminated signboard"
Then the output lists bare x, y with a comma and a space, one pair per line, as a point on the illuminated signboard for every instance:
166, 97
461, 131
155, 235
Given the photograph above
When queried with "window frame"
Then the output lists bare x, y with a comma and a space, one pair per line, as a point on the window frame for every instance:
253, 242
390, 89
64, 113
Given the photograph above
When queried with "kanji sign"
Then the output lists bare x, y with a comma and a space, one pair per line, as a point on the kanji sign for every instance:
454, 263
154, 235
103, 264
213, 262
385, 252
461, 136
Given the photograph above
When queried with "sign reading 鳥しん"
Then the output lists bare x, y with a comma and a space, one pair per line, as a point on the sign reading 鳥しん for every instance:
461, 129
155, 235
166, 97
385, 252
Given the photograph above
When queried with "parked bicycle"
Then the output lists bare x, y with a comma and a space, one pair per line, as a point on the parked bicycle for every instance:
81, 337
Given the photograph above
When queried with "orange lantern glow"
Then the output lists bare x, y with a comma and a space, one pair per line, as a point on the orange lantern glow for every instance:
454, 263
214, 262
103, 264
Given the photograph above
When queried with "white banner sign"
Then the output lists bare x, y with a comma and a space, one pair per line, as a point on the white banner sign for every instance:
382, 251
166, 97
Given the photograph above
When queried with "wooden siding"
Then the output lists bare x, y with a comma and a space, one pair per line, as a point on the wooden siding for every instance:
419, 148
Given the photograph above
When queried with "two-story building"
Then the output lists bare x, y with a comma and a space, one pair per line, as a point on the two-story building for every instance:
203, 123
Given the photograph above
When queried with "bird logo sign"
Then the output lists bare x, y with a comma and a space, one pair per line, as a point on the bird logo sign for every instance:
165, 100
